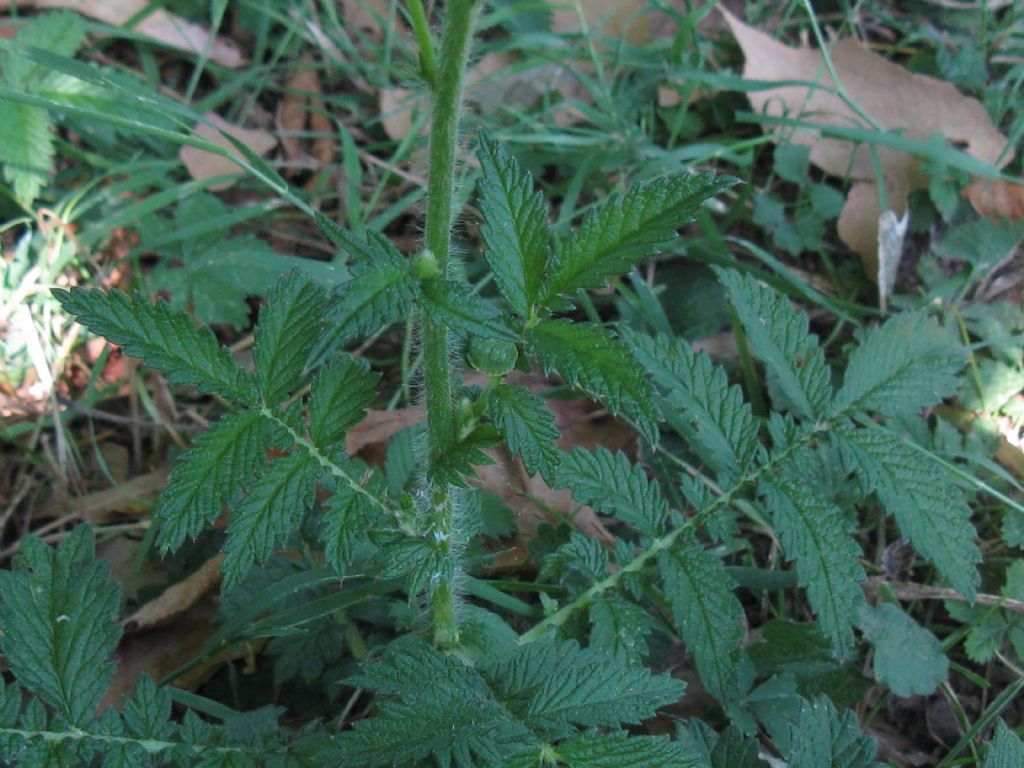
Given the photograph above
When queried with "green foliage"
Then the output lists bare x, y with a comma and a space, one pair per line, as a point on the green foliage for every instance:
823, 739
528, 427
589, 358
699, 403
628, 228
59, 629
211, 273
908, 658
1006, 749
707, 612
502, 710
211, 474
27, 150
901, 367
515, 228
165, 338
814, 532
992, 629
611, 483
454, 305
289, 325
371, 556
266, 516
778, 335
929, 509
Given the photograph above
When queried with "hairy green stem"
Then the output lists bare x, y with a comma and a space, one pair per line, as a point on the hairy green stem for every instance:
437, 374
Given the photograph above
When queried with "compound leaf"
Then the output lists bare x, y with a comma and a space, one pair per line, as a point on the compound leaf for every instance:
713, 416
528, 427
813, 533
455, 306
514, 230
908, 658
901, 367
273, 508
614, 485
590, 358
779, 336
339, 398
707, 612
209, 475
166, 339
628, 228
929, 509
289, 326
59, 621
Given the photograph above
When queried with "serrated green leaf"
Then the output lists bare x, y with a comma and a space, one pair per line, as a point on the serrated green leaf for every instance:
166, 339
456, 462
515, 227
824, 739
929, 509
908, 658
59, 622
779, 336
628, 228
455, 306
553, 686
619, 627
903, 366
209, 475
620, 750
345, 526
814, 533
612, 484
289, 326
26, 152
147, 712
338, 400
379, 293
528, 427
707, 612
59, 33
269, 514
590, 358
713, 416
1006, 750
429, 704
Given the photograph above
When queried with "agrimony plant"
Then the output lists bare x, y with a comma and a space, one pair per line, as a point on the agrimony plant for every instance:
466, 688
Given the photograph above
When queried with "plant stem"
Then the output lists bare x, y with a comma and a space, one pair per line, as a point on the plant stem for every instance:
437, 381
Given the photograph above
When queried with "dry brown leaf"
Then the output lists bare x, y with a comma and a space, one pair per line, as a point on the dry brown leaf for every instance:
167, 28
158, 652
204, 165
364, 14
619, 19
917, 105
303, 109
996, 199
177, 598
131, 498
397, 109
